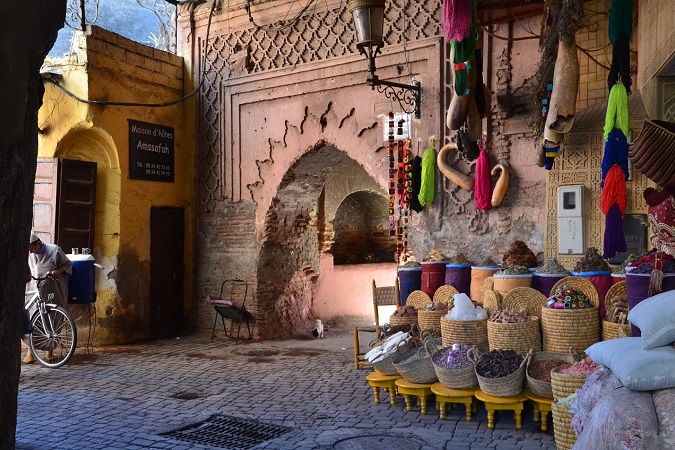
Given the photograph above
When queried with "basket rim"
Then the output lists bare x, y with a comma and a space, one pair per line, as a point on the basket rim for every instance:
580, 284
533, 299
617, 289
493, 295
417, 299
443, 294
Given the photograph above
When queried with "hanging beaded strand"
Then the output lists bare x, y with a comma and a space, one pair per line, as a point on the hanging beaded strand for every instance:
392, 177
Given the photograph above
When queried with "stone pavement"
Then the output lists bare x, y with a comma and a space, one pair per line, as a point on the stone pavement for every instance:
126, 397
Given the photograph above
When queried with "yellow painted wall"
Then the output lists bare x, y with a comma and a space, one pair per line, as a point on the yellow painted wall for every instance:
108, 67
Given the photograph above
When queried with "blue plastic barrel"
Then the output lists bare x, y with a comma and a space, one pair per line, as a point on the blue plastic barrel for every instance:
409, 279
82, 283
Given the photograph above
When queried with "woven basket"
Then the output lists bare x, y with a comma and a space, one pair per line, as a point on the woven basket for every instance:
386, 365
444, 294
417, 299
562, 427
507, 386
525, 299
542, 388
469, 332
396, 321
610, 330
521, 337
455, 378
564, 385
418, 368
651, 152
565, 328
492, 301
428, 320
582, 285
506, 283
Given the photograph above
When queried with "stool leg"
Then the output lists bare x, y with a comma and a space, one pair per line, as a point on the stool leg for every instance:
519, 422
469, 408
408, 402
392, 394
544, 420
376, 391
441, 408
422, 400
491, 418
536, 412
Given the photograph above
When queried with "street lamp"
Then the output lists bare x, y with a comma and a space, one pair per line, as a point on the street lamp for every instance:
368, 17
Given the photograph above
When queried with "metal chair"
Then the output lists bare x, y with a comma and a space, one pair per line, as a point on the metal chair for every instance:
231, 309
382, 296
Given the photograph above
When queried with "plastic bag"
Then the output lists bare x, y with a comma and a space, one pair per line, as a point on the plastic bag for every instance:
597, 385
664, 403
464, 309
387, 347
621, 419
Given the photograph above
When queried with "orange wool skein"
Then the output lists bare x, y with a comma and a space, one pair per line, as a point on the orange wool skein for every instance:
614, 190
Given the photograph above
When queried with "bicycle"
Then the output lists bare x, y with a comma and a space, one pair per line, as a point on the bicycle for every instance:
54, 336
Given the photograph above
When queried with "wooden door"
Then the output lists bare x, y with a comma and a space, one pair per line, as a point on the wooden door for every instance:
167, 235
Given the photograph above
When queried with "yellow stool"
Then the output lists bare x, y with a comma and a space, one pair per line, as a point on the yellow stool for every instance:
493, 404
408, 390
377, 380
542, 405
445, 395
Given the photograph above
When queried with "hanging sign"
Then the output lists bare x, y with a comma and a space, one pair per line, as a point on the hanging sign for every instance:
150, 151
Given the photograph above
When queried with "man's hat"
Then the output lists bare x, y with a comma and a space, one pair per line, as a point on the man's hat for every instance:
33, 237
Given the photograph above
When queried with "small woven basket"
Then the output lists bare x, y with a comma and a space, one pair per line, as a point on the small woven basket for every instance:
396, 321
562, 328
418, 368
492, 301
565, 437
526, 299
542, 388
455, 378
417, 299
427, 319
469, 332
612, 330
507, 386
385, 365
564, 385
521, 337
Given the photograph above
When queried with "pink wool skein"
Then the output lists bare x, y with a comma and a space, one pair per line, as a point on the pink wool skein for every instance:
457, 19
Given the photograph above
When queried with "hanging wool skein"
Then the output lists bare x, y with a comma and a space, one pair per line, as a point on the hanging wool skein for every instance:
483, 183
426, 195
617, 111
620, 30
392, 176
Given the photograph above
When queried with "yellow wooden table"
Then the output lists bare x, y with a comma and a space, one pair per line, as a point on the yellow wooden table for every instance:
378, 380
542, 406
493, 404
410, 390
446, 395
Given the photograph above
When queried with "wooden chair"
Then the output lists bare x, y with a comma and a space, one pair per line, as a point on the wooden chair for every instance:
382, 296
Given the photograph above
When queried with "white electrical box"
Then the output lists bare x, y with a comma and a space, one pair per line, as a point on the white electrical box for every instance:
402, 132
571, 220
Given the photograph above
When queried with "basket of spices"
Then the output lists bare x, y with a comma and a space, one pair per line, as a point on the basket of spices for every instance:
596, 270
546, 276
453, 367
500, 373
570, 318
404, 315
566, 381
619, 272
429, 316
538, 373
616, 323
418, 367
513, 330
509, 278
466, 323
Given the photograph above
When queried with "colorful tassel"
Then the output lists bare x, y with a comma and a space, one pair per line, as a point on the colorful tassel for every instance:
617, 111
428, 184
483, 182
656, 277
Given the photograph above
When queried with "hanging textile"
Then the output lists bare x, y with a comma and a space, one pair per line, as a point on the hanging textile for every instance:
483, 183
616, 152
620, 68
426, 195
415, 204
620, 19
617, 111
614, 240
479, 92
614, 191
457, 19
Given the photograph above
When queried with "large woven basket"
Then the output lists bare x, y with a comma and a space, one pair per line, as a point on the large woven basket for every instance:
565, 328
492, 301
469, 332
427, 319
455, 378
444, 294
562, 427
611, 330
580, 284
564, 385
542, 388
507, 386
386, 365
418, 368
521, 337
396, 321
526, 299
417, 299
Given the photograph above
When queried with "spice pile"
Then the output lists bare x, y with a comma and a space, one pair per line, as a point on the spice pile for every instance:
552, 267
453, 357
435, 306
459, 259
668, 266
411, 265
592, 262
541, 370
508, 316
405, 311
519, 254
488, 262
566, 297
621, 269
434, 256
498, 363
617, 312
583, 367
514, 270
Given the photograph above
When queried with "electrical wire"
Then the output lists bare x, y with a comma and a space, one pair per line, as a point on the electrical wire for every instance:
289, 24
150, 105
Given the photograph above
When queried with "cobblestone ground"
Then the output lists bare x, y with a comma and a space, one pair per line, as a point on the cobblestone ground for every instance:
127, 397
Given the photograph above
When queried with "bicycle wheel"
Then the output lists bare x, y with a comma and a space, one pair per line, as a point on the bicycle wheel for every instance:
53, 341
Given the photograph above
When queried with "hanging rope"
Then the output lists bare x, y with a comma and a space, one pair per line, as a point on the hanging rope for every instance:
617, 111
427, 187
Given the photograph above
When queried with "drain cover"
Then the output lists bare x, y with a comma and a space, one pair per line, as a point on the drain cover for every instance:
371, 442
228, 432
256, 351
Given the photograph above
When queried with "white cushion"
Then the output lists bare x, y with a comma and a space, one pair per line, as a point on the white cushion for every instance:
638, 369
655, 317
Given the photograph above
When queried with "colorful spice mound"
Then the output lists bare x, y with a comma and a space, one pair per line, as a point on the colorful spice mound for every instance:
498, 363
649, 256
460, 259
622, 267
405, 311
514, 270
411, 264
552, 266
566, 297
668, 267
583, 367
453, 357
434, 256
519, 254
541, 370
592, 262
507, 316
618, 310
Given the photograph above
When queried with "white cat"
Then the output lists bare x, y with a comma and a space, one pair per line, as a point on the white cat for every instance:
318, 330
